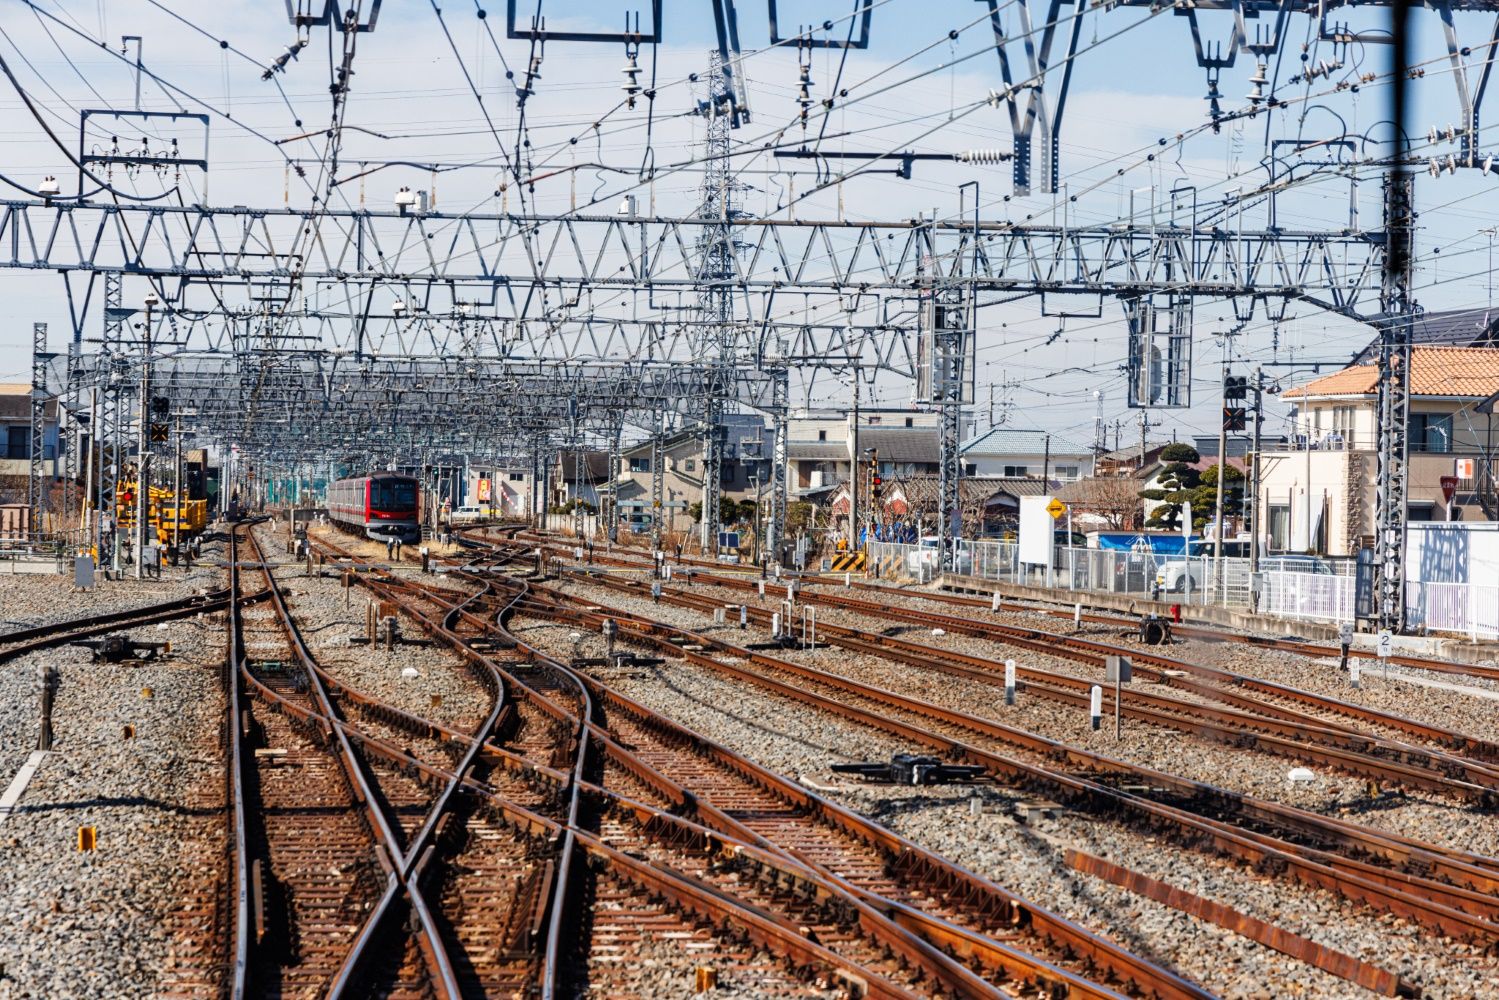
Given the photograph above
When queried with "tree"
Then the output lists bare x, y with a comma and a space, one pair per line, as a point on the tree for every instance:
1205, 496
1177, 480
1115, 499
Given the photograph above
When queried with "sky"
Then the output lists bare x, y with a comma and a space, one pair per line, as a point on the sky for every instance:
417, 74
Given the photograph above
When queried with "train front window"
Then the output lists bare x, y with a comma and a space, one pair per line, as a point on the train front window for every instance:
398, 495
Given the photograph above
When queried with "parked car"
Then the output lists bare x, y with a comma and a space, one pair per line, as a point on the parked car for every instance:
467, 515
929, 557
1173, 574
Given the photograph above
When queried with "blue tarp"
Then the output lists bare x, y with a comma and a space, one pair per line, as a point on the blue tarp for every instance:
1132, 541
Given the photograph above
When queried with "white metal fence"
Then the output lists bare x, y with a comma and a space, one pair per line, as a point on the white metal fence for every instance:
1470, 609
1286, 590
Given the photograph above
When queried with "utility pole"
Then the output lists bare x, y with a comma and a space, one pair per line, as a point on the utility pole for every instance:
853, 472
36, 482
1222, 464
143, 446
177, 491
1393, 379
717, 273
1255, 515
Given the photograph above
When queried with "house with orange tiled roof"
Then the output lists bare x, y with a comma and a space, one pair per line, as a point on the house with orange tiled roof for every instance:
1317, 492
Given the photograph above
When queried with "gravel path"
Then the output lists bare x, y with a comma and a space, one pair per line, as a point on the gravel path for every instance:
101, 923
800, 742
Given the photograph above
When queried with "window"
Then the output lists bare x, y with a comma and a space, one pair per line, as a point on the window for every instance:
909, 422
1419, 512
18, 442
690, 465
1279, 523
873, 420
822, 435
393, 494
1431, 432
1017, 471
1066, 472
642, 464
515, 477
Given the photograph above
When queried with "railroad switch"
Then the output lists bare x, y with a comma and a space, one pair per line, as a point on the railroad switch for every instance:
912, 769
120, 648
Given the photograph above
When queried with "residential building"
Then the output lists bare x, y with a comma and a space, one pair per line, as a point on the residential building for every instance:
1454, 328
579, 474
1018, 453
504, 486
820, 445
1318, 492
15, 431
744, 471
989, 505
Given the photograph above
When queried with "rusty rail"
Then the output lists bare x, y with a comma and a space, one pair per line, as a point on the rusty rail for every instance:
1344, 966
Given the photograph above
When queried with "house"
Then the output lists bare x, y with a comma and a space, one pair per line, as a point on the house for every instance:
504, 486
1318, 492
1135, 460
579, 474
1013, 452
744, 471
989, 505
1454, 328
15, 430
820, 445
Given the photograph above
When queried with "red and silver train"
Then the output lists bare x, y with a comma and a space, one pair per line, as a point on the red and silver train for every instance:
381, 506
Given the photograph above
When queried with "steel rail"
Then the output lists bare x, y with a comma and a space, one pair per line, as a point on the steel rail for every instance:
239, 984
431, 944
1155, 667
1366, 757
1399, 898
585, 842
62, 633
1101, 953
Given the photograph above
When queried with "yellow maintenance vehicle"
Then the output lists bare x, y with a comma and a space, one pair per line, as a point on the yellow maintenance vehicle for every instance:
164, 512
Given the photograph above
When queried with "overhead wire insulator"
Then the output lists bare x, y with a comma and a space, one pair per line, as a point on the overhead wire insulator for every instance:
631, 86
804, 83
982, 156
1258, 81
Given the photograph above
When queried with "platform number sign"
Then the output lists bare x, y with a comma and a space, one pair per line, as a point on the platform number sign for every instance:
1386, 644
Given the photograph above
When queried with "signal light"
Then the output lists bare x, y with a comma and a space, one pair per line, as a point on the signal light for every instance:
1234, 418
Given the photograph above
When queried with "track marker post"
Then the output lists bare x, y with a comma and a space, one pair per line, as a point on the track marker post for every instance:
1095, 706
1009, 682
1116, 669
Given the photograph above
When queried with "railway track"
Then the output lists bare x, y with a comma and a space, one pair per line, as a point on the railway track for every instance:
1248, 694
627, 557
903, 886
748, 941
1431, 901
22, 642
1377, 760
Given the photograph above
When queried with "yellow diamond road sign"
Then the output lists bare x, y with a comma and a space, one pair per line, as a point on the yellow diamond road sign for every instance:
1056, 508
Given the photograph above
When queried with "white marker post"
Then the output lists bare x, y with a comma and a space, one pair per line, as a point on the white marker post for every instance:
1077, 616
1009, 682
1353, 673
743, 616
775, 625
1095, 706
1385, 649
994, 604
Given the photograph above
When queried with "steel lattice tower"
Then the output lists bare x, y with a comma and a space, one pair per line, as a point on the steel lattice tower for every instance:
716, 274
